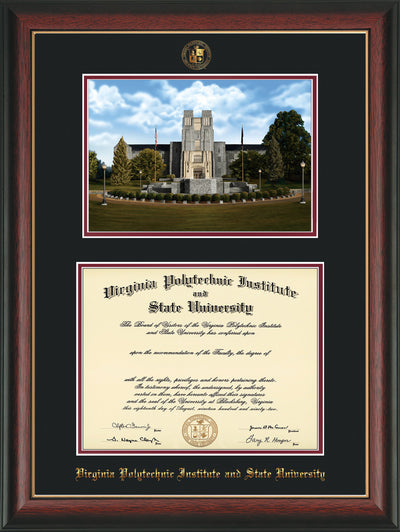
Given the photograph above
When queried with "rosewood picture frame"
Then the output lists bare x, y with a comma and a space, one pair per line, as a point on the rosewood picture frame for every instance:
379, 511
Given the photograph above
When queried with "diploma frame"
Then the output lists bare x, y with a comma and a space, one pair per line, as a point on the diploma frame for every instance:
377, 511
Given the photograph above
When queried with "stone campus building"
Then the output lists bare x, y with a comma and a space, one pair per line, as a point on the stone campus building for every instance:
198, 161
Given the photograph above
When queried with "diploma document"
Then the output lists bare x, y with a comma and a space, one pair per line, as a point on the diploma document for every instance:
200, 358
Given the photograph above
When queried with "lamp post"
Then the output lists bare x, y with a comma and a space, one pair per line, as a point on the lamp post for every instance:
259, 179
104, 166
302, 201
140, 180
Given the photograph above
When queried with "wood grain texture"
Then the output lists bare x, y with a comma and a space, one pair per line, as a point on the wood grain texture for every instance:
380, 261
192, 21
21, 279
200, 512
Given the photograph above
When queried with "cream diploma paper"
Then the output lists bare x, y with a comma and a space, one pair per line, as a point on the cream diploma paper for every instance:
201, 359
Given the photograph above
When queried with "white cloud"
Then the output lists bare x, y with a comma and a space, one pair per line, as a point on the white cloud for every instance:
199, 96
103, 138
146, 110
99, 123
295, 95
106, 98
103, 145
227, 103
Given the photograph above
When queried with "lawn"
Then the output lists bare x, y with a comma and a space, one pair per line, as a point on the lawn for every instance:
98, 185
271, 215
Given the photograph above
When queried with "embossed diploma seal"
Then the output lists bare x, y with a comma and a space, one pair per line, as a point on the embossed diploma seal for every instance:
200, 430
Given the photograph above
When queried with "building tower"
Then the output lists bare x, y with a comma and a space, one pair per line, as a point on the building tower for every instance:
197, 156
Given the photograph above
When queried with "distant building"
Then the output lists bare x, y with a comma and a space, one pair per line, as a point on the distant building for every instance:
197, 156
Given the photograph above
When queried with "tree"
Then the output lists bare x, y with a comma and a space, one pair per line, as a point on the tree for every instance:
94, 164
294, 142
121, 171
275, 170
144, 162
252, 162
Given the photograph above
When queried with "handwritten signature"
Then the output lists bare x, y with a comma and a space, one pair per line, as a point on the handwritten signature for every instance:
269, 427
267, 439
120, 426
138, 438
144, 439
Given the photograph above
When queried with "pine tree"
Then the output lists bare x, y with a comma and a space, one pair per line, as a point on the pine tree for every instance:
275, 168
93, 165
121, 169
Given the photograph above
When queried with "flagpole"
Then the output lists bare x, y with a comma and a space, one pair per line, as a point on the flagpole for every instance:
155, 154
242, 156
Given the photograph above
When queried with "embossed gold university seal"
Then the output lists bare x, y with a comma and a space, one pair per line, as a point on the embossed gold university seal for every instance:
196, 55
200, 430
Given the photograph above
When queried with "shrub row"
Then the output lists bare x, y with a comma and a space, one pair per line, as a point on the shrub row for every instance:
190, 198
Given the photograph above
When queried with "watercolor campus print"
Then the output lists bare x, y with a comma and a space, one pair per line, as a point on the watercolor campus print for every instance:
191, 155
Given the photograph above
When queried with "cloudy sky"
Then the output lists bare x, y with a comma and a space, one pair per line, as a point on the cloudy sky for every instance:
133, 108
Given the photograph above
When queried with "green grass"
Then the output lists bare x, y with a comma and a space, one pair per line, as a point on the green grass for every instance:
98, 185
275, 215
